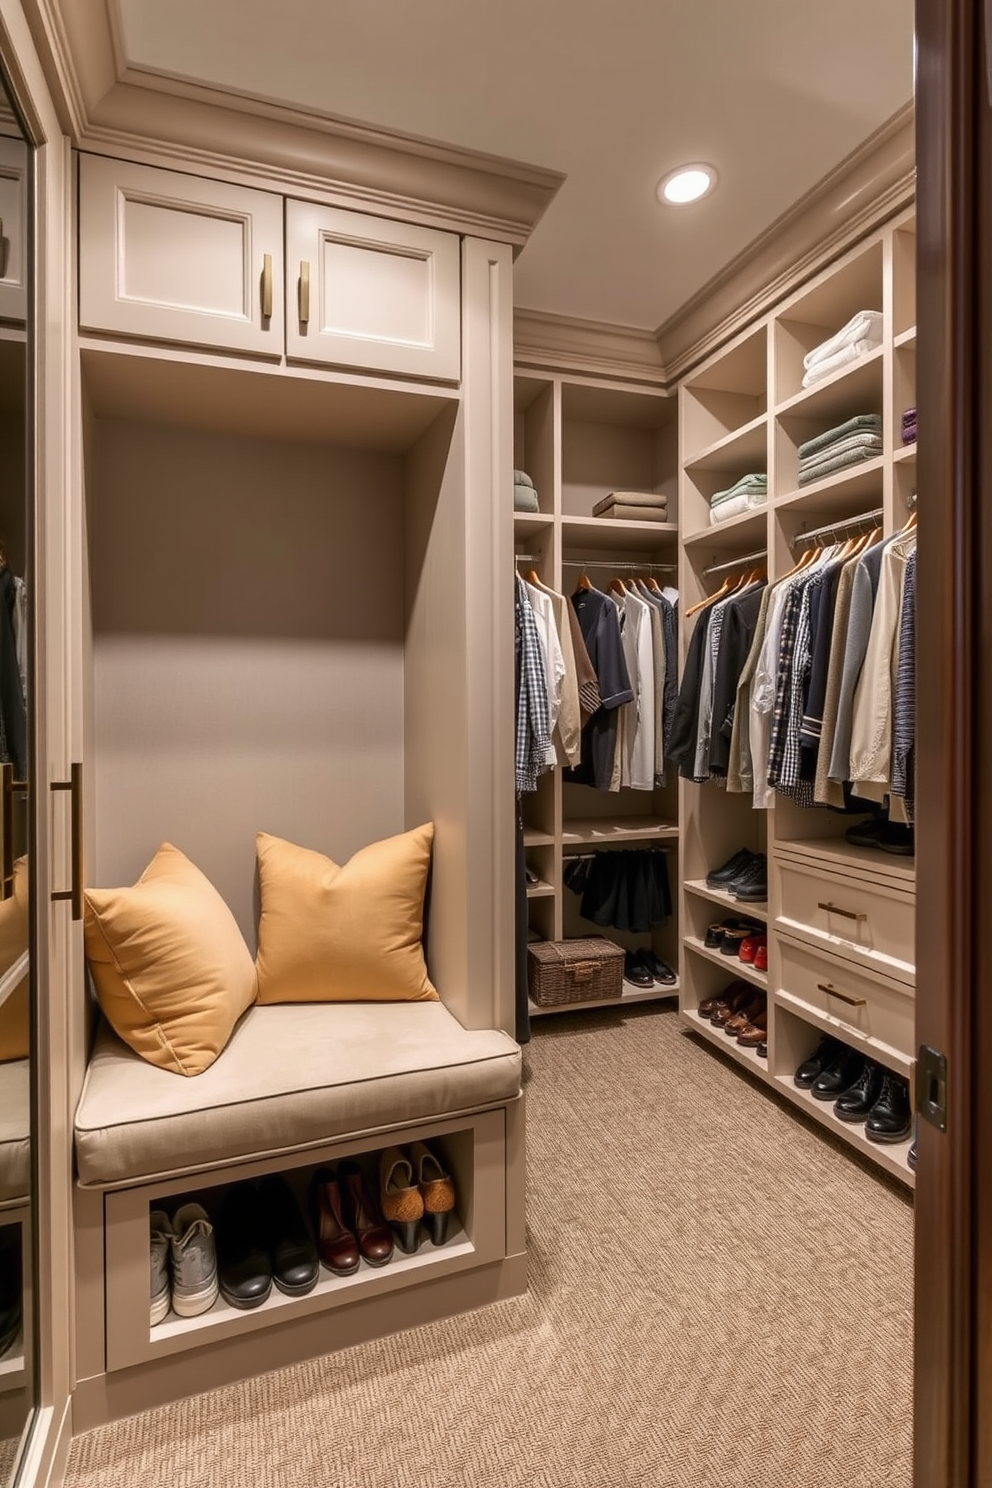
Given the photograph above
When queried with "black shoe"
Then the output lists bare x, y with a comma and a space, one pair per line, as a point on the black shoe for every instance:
813, 1067
854, 1103
890, 1118
11, 1290
762, 1051
713, 939
720, 877
244, 1269
890, 837
660, 970
292, 1251
836, 1076
751, 884
635, 971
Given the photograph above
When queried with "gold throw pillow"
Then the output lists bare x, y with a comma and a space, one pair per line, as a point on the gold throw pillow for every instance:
344, 934
172, 972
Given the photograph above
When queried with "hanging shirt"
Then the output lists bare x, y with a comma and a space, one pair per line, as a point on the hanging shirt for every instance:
859, 619
568, 734
533, 735
871, 733
600, 625
740, 617
554, 661
827, 792
637, 764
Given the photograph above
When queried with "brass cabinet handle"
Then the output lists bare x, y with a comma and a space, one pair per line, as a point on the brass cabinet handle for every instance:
267, 286
8, 787
304, 292
75, 785
848, 914
841, 996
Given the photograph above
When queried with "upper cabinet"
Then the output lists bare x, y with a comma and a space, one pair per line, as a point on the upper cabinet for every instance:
371, 293
179, 258
14, 164
172, 257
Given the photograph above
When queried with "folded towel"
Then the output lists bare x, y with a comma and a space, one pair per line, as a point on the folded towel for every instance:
909, 434
525, 499
746, 501
621, 512
630, 498
835, 463
745, 486
909, 417
865, 325
870, 422
865, 440
521, 478
840, 359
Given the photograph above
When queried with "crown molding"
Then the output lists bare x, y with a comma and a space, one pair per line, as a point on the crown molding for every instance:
871, 185
553, 343
111, 107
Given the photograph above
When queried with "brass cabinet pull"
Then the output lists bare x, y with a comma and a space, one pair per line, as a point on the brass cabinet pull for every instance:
8, 787
304, 292
75, 785
267, 286
841, 996
848, 914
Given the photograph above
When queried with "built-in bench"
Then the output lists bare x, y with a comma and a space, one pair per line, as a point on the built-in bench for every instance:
297, 1086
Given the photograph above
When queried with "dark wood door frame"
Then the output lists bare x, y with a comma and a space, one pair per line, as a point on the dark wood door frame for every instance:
953, 1447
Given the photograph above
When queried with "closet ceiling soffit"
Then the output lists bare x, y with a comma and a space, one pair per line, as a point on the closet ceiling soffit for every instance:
109, 106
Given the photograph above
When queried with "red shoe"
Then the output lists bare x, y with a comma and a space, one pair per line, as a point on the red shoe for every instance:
750, 948
761, 957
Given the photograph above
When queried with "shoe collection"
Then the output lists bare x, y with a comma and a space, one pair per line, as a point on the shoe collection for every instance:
744, 939
861, 1090
744, 877
263, 1237
645, 969
742, 1012
888, 836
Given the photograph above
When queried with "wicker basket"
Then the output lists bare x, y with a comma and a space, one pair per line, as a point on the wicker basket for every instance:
564, 971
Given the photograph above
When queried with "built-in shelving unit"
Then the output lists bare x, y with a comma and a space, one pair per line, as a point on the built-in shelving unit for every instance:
579, 439
742, 411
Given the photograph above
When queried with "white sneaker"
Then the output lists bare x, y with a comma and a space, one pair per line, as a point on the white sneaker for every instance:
161, 1240
194, 1261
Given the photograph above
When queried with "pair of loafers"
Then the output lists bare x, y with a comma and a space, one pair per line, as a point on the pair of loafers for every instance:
645, 969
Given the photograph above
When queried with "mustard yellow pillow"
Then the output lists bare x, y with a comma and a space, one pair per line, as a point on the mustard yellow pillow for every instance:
172, 972
14, 1023
351, 934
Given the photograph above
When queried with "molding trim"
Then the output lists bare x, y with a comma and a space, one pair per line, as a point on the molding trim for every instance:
110, 107
872, 184
552, 343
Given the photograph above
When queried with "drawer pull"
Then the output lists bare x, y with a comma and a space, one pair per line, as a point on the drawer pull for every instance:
848, 914
267, 286
841, 996
304, 292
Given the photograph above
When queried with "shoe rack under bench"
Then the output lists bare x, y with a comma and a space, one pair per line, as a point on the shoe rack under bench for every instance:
474, 1148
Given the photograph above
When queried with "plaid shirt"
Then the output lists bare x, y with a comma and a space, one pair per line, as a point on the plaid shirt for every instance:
533, 720
783, 685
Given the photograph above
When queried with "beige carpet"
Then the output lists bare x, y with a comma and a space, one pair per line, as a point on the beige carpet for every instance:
719, 1299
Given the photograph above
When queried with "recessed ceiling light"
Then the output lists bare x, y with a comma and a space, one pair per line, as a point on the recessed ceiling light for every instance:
687, 184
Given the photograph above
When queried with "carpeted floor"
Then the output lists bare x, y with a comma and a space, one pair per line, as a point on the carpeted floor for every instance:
718, 1299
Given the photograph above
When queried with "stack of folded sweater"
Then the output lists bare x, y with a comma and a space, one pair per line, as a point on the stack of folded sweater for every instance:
859, 438
745, 494
909, 426
862, 334
633, 506
524, 495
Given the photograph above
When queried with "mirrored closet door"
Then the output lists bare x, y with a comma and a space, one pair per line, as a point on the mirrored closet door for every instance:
17, 989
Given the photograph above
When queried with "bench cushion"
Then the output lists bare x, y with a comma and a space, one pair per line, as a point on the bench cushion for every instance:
15, 1129
293, 1076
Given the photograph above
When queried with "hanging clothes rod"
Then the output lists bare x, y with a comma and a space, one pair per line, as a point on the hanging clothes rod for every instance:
745, 561
632, 567
531, 558
865, 522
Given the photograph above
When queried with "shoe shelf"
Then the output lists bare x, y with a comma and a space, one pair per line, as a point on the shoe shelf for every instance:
540, 890
597, 830
892, 1157
735, 967
867, 1044
716, 1036
723, 897
474, 1152
839, 854
630, 994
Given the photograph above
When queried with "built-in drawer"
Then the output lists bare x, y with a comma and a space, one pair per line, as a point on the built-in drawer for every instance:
872, 921
863, 1007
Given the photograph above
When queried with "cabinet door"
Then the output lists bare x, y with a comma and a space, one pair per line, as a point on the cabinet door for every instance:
365, 292
13, 228
173, 257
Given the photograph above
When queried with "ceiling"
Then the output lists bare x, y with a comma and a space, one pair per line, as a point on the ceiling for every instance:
614, 93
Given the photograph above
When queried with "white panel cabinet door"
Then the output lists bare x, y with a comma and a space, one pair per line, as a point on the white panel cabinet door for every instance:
171, 257
366, 292
14, 165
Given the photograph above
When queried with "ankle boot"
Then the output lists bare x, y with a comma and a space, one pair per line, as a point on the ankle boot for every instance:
400, 1198
437, 1190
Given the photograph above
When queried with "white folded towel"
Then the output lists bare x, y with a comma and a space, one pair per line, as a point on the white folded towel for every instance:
866, 325
736, 505
841, 358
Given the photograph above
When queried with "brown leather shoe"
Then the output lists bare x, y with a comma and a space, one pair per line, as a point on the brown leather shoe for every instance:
755, 1033
375, 1238
734, 999
709, 1005
744, 1016
400, 1198
336, 1244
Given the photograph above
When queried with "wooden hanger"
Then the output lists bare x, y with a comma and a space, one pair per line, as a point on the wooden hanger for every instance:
617, 586
725, 588
532, 577
652, 583
583, 581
